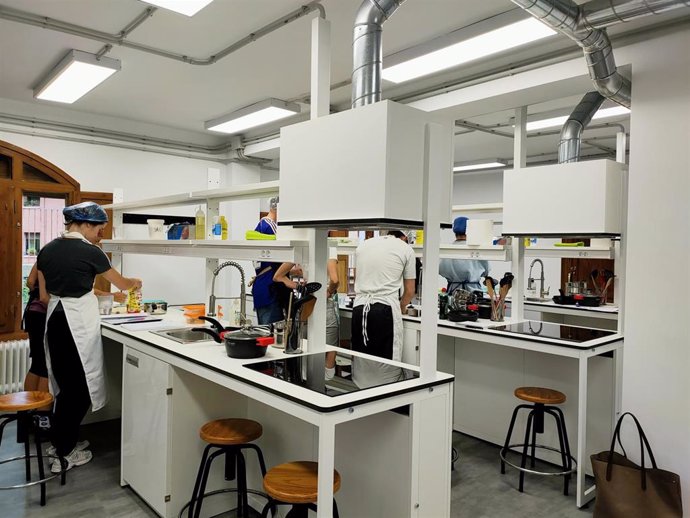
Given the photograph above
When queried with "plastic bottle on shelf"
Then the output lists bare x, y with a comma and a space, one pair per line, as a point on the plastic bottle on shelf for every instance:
199, 224
442, 304
223, 228
216, 230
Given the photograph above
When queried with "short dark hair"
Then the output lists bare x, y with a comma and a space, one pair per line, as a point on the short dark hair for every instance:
397, 233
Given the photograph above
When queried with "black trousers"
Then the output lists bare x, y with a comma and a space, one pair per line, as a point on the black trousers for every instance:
379, 330
73, 400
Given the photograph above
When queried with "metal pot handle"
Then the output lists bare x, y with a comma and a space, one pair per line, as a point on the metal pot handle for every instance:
208, 331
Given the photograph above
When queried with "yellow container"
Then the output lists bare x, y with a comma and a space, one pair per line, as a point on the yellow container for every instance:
419, 237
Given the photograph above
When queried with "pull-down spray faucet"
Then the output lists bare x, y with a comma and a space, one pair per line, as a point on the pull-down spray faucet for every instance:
530, 279
243, 294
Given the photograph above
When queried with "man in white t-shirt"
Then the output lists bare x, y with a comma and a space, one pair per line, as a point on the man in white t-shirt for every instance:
384, 264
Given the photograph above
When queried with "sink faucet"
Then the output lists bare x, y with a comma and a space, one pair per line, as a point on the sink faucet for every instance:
530, 279
243, 293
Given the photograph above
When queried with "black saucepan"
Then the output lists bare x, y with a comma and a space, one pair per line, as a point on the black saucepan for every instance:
245, 343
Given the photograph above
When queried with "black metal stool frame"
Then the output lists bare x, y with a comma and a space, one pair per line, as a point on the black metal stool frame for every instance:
26, 419
235, 467
297, 511
535, 425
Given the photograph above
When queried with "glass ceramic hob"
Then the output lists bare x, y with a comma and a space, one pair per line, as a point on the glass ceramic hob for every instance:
309, 371
554, 331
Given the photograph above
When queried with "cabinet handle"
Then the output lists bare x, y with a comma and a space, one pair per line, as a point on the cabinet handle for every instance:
132, 360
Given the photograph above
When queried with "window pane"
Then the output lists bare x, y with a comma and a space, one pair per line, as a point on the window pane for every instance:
34, 175
5, 167
31, 201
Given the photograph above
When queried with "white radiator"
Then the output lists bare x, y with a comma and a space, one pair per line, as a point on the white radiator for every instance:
14, 364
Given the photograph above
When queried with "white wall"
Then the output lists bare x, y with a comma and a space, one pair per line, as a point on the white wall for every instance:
656, 384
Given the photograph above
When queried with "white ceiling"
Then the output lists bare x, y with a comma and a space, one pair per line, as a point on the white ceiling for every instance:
158, 96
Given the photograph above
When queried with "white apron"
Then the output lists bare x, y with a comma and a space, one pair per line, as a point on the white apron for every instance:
84, 322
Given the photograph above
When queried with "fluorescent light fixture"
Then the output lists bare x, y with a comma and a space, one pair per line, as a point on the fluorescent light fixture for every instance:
253, 115
465, 45
478, 166
186, 7
606, 113
74, 76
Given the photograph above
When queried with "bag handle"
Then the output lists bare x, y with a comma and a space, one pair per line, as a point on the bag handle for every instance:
643, 438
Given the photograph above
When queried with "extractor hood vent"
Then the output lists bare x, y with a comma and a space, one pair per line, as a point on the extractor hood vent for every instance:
363, 168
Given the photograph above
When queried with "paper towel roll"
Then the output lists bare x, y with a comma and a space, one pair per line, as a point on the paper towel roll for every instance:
480, 231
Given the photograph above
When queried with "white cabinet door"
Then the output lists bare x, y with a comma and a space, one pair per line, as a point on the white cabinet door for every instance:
145, 427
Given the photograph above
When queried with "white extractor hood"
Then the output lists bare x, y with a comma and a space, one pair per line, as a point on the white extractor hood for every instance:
363, 168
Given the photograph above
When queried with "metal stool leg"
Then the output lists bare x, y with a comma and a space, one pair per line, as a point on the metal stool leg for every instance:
524, 450
204, 480
566, 444
195, 493
26, 423
39, 458
260, 456
242, 499
504, 451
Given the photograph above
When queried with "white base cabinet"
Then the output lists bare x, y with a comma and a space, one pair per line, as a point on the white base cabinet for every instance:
145, 431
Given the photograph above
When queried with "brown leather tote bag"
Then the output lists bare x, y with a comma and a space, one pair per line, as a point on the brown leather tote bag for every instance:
626, 490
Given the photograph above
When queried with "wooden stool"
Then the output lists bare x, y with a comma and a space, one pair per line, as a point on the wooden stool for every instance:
229, 437
296, 483
542, 399
21, 407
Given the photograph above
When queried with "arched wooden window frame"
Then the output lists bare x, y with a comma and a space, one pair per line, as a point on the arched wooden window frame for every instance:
12, 191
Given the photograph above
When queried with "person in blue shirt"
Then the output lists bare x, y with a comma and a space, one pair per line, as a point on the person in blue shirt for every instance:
465, 274
264, 292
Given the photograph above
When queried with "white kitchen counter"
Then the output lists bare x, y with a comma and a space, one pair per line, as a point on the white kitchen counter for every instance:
430, 400
496, 359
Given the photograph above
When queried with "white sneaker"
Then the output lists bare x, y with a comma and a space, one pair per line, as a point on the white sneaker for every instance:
75, 458
81, 445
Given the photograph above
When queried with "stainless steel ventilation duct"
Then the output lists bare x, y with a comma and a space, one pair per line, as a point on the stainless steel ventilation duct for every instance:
571, 133
586, 26
367, 50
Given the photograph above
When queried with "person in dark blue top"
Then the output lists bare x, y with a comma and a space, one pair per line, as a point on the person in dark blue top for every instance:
264, 291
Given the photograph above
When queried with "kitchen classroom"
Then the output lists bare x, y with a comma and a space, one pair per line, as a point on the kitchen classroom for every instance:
357, 258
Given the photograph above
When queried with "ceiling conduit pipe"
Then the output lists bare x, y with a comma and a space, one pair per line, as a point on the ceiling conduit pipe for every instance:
599, 14
367, 50
571, 133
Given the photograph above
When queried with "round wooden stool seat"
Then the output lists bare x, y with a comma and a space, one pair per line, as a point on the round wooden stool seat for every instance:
544, 396
296, 482
20, 401
228, 432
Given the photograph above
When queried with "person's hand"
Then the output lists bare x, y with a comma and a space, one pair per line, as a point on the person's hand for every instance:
136, 283
119, 296
251, 281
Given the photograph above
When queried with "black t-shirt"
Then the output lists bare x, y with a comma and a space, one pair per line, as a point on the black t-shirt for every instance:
71, 265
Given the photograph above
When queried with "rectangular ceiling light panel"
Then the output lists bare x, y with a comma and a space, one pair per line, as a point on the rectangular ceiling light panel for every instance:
554, 122
468, 49
256, 114
476, 167
75, 75
186, 7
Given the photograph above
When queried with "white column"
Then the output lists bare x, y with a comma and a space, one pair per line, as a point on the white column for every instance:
320, 67
520, 142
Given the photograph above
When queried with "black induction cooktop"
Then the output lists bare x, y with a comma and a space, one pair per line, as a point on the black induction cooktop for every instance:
554, 331
309, 371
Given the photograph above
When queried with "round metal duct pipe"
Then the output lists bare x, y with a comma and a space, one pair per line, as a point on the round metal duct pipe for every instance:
571, 133
367, 50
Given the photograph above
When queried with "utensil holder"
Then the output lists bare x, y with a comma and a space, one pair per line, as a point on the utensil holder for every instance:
498, 310
295, 336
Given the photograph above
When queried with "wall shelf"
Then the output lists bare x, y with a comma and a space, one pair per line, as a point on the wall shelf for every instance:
448, 251
478, 208
570, 252
240, 192
272, 251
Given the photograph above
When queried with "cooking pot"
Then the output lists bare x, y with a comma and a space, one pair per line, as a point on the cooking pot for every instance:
587, 300
462, 315
564, 299
246, 343
484, 310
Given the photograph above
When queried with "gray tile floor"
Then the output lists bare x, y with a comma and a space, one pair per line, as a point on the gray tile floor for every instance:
478, 489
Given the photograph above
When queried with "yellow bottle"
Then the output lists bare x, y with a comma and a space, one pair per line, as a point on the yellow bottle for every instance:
223, 228
419, 237
199, 224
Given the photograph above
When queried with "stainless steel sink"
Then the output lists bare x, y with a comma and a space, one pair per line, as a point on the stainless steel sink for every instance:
183, 335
